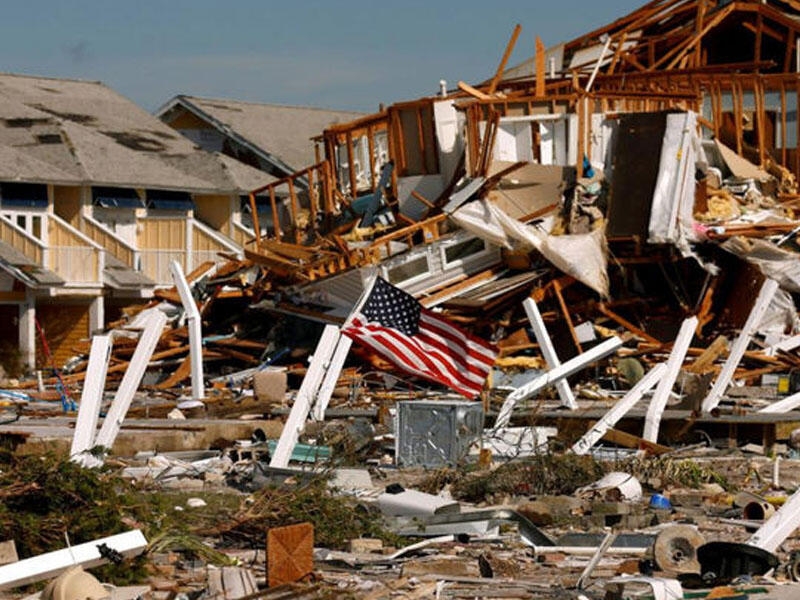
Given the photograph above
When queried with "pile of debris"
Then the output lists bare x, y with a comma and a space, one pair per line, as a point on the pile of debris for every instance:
511, 341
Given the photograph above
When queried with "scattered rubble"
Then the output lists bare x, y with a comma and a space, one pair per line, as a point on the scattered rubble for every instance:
534, 338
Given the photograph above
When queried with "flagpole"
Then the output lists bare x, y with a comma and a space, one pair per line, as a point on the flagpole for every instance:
373, 277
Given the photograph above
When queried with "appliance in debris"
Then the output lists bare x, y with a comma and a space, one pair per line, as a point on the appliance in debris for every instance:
436, 433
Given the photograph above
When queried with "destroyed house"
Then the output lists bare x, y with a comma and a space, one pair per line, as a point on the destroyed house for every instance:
96, 198
273, 138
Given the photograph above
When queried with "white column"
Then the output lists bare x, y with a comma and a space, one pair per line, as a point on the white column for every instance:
740, 345
565, 370
27, 330
652, 420
627, 402
548, 351
92, 396
305, 397
154, 322
193, 323
97, 314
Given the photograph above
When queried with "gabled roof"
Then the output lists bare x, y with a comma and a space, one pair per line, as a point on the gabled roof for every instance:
279, 134
68, 131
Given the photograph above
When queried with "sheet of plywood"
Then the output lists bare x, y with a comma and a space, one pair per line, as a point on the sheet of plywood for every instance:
290, 553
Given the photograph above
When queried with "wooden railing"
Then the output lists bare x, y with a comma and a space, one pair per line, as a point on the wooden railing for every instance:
22, 241
73, 256
113, 244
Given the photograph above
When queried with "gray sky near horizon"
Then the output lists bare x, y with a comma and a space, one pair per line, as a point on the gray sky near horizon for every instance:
345, 54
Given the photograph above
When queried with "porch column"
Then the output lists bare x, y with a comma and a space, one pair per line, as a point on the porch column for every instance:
27, 331
97, 315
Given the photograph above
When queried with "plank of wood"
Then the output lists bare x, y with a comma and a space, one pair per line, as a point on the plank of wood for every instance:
498, 75
628, 440
474, 92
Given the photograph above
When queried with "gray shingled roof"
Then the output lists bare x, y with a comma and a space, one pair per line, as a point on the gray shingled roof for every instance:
20, 266
68, 131
118, 275
281, 131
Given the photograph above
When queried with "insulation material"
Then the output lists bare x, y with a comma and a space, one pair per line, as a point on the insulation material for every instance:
773, 261
583, 256
781, 316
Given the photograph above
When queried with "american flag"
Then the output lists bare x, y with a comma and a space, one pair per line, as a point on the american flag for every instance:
395, 326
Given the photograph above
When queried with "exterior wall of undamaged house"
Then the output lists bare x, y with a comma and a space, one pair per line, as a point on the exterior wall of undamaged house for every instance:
67, 203
196, 129
71, 257
215, 211
66, 324
161, 240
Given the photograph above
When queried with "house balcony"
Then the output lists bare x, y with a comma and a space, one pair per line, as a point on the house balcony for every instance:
68, 253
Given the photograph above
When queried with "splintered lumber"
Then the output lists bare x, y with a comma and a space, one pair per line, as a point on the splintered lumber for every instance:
705, 362
739, 346
506, 55
465, 87
573, 365
51, 564
628, 440
627, 402
541, 75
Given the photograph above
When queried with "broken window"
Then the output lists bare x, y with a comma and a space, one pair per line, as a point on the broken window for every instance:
461, 252
407, 271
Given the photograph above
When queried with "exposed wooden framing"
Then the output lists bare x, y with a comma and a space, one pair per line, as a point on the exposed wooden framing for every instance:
506, 55
567, 317
627, 324
276, 221
254, 212
476, 93
681, 50
790, 43
421, 139
701, 13
351, 164
371, 150
541, 67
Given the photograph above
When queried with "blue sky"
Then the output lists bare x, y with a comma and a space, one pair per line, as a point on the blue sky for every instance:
345, 54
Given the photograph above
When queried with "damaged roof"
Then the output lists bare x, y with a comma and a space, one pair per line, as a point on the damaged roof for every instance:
72, 132
279, 134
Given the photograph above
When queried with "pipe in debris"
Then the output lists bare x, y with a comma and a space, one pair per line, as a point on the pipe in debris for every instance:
193, 323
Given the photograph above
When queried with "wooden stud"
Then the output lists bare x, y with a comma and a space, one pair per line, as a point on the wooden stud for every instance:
506, 55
